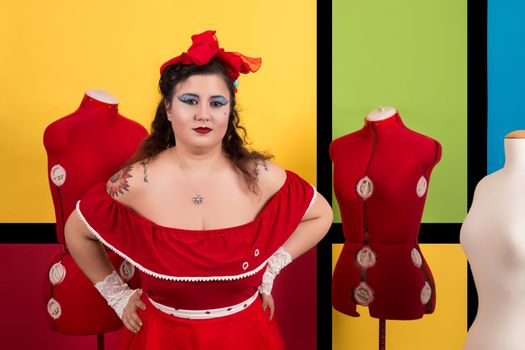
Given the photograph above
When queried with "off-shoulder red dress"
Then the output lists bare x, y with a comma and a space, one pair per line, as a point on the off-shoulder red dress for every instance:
214, 273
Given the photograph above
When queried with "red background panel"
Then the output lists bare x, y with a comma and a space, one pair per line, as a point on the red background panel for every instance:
23, 323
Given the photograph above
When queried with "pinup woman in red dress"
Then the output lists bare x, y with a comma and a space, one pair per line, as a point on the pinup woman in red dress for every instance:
381, 174
207, 223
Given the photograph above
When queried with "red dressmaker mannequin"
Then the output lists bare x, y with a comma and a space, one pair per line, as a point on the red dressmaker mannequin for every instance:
381, 175
84, 148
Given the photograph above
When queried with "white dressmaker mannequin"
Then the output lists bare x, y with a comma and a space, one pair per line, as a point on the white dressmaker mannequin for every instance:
493, 238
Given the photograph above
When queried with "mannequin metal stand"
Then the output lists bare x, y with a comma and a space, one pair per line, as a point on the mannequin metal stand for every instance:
382, 334
100, 341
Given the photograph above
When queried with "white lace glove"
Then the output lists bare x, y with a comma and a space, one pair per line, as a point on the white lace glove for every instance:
276, 263
115, 291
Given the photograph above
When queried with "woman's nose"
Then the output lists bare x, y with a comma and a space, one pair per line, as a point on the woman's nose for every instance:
203, 114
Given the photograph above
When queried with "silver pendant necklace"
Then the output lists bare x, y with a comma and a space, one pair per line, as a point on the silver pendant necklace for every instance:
197, 199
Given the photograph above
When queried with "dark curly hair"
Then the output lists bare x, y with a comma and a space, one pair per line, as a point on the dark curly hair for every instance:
234, 141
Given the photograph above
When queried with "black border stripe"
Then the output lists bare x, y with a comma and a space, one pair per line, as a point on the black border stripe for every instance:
477, 95
477, 102
324, 169
15, 233
441, 233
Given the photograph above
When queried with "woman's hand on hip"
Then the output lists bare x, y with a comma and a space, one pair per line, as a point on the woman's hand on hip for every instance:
130, 317
267, 301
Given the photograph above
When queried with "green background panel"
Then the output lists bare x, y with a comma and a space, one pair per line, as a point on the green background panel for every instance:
411, 55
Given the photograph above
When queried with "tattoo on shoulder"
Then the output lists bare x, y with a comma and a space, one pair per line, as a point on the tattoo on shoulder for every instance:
265, 165
144, 163
118, 183
256, 170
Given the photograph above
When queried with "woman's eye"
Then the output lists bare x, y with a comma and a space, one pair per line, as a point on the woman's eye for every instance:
217, 104
190, 100
218, 101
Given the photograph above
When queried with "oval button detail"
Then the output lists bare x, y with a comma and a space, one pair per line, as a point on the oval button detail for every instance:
421, 187
256, 253
245, 265
58, 175
54, 309
363, 294
416, 257
365, 257
426, 293
57, 273
127, 271
364, 188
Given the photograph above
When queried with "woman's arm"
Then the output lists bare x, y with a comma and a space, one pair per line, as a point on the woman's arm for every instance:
86, 250
311, 230
315, 223
91, 257
88, 253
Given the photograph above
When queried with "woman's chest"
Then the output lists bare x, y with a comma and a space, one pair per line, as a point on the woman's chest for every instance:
214, 205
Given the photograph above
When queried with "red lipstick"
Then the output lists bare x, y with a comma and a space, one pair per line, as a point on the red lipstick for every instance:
202, 130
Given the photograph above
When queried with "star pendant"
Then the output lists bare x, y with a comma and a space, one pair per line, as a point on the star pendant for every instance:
197, 199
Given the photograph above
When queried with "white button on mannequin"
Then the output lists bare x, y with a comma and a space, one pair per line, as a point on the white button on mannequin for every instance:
493, 238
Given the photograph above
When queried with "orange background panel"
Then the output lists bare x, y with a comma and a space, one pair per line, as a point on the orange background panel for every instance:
446, 328
52, 52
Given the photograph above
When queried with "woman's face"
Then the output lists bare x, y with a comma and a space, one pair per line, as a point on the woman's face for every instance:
199, 111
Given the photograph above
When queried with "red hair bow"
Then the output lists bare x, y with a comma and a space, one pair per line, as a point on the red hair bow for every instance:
205, 46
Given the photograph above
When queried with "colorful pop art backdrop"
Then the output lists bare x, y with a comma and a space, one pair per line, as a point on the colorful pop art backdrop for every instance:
408, 54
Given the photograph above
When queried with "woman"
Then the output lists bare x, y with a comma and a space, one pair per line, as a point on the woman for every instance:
208, 223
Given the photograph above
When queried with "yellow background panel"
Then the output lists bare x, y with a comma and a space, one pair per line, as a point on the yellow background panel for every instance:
445, 329
52, 52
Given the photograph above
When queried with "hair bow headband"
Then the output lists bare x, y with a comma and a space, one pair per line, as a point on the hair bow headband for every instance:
205, 46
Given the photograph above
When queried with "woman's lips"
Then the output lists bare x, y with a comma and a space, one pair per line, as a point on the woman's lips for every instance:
202, 130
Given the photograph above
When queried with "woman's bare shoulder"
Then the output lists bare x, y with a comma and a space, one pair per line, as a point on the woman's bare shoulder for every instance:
270, 176
129, 182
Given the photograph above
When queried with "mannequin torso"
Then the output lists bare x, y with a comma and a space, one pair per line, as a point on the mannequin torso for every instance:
87, 147
84, 148
493, 238
381, 174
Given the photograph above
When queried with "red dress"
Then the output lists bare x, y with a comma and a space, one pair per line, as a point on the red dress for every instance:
199, 269
381, 173
84, 148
